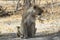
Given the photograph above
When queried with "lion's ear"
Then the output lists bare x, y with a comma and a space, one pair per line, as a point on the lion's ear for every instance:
35, 7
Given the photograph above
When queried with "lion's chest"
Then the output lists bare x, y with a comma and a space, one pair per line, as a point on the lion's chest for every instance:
29, 20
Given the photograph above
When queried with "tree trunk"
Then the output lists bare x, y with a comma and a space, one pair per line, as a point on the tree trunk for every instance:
27, 3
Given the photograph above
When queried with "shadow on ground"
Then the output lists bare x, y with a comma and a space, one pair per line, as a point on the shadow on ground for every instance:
13, 36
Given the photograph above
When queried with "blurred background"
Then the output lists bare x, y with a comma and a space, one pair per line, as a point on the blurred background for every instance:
47, 23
